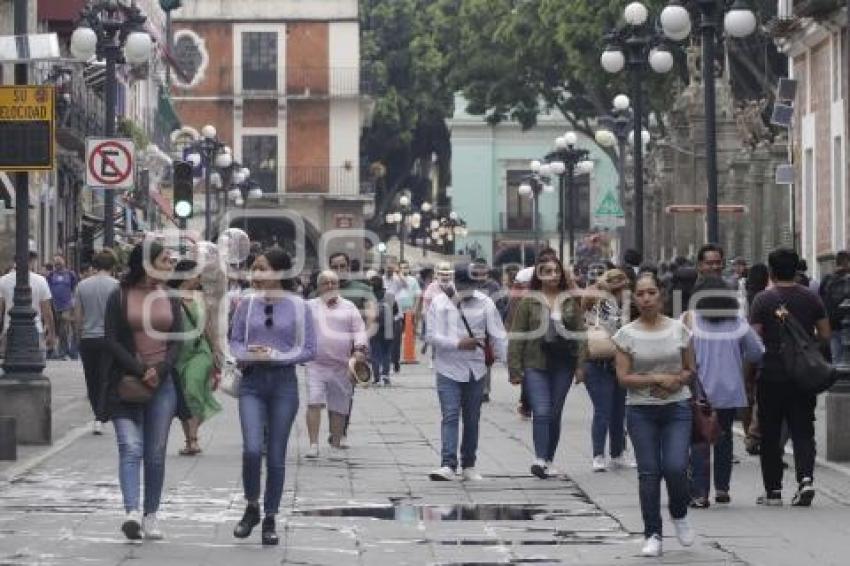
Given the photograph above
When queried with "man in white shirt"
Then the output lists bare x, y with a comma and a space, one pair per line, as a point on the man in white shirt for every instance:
459, 363
41, 304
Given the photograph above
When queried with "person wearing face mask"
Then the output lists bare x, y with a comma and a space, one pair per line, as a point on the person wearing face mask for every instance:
441, 283
460, 321
382, 317
340, 335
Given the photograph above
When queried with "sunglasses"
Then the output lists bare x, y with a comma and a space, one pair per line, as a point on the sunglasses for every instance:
269, 311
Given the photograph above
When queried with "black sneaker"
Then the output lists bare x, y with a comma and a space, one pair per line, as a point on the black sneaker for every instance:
485, 398
771, 498
249, 520
270, 537
805, 494
722, 497
396, 367
699, 503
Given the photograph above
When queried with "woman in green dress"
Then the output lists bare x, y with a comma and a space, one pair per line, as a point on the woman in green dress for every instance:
197, 368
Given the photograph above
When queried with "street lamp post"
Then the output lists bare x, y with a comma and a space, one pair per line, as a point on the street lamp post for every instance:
567, 161
643, 46
243, 191
400, 218
532, 186
114, 32
739, 22
209, 152
616, 129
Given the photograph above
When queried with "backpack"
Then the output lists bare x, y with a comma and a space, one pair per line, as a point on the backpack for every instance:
801, 356
837, 291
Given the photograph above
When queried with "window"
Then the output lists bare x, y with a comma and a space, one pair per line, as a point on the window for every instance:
259, 154
520, 208
582, 202
259, 61
837, 193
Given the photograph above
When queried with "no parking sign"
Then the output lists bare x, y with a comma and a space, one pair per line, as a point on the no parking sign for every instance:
110, 163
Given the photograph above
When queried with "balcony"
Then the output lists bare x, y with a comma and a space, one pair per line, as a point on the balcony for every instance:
318, 180
511, 223
80, 112
302, 83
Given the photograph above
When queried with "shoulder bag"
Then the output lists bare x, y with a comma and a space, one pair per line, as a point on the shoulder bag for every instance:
706, 427
802, 357
599, 343
231, 375
489, 354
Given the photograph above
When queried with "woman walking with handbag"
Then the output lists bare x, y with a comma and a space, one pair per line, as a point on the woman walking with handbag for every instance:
723, 341
139, 395
655, 365
604, 317
544, 355
197, 371
271, 332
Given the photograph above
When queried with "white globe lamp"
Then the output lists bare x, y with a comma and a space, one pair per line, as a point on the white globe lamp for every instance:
740, 21
138, 48
571, 138
84, 43
612, 60
636, 14
661, 60
622, 102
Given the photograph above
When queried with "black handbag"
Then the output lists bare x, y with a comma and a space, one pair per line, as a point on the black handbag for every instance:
802, 358
131, 389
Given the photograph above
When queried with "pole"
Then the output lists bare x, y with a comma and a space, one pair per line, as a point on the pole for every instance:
23, 355
207, 196
110, 93
637, 98
403, 236
536, 219
571, 190
621, 161
708, 37
561, 216
169, 45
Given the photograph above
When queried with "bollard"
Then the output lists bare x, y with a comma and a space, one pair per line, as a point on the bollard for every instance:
8, 438
409, 337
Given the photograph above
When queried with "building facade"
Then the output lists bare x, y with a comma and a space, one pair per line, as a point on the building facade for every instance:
814, 36
281, 83
489, 163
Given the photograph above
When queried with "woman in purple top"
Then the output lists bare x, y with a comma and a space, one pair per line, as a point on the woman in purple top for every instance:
271, 332
723, 342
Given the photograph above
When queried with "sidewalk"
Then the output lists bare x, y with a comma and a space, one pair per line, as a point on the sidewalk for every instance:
378, 507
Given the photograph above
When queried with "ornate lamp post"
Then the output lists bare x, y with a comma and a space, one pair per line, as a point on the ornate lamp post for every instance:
114, 32
209, 152
242, 191
566, 162
643, 47
532, 186
401, 219
739, 22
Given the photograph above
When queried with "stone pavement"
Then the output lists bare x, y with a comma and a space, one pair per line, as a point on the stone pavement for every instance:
378, 507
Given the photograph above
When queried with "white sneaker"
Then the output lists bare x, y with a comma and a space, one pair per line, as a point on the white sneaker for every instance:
651, 546
623, 463
132, 525
150, 526
97, 428
599, 464
684, 532
442, 474
312, 452
469, 474
551, 470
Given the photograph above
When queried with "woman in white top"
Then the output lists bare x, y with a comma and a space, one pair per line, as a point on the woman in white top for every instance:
655, 365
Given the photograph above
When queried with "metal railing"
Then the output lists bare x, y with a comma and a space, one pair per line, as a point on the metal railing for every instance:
313, 180
80, 110
299, 82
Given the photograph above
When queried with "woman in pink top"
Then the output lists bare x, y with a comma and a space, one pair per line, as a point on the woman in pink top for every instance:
140, 324
340, 334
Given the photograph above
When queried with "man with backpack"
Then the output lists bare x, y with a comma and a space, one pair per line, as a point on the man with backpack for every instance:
834, 290
780, 397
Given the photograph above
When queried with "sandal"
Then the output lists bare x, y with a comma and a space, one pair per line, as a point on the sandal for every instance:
191, 448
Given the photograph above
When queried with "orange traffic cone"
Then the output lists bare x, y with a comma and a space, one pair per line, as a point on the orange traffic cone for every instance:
409, 336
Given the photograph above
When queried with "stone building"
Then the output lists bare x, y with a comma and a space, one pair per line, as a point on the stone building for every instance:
281, 82
813, 33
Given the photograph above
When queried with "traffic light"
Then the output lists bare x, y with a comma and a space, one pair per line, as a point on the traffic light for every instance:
183, 189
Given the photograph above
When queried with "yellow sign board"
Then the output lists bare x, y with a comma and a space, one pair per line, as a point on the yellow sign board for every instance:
27, 121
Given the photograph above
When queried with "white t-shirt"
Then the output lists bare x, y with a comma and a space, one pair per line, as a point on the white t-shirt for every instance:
40, 293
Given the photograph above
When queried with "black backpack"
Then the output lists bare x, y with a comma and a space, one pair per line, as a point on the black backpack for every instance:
802, 357
837, 291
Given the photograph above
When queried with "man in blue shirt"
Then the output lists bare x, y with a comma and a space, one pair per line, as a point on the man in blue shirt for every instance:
63, 282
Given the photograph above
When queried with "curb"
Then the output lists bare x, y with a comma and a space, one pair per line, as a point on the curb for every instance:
17, 470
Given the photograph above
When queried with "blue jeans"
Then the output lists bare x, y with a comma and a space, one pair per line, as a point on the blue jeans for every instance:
701, 459
268, 400
380, 350
547, 392
835, 346
609, 407
142, 434
661, 436
459, 400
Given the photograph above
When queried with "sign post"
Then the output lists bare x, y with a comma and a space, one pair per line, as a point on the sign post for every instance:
27, 121
110, 163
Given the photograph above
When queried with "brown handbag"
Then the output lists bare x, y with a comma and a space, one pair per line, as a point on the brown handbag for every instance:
706, 428
132, 389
